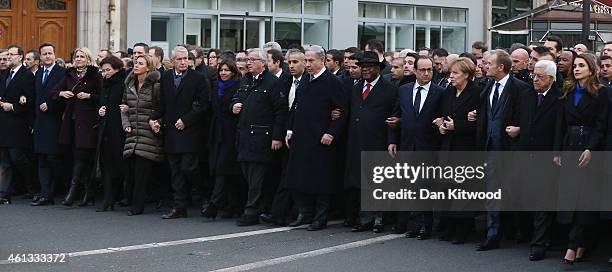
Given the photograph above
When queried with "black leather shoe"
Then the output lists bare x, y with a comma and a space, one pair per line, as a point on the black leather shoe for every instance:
488, 244
412, 234
300, 220
5, 201
378, 227
106, 207
537, 254
267, 218
248, 220
209, 211
43, 201
362, 228
424, 235
316, 225
174, 214
350, 223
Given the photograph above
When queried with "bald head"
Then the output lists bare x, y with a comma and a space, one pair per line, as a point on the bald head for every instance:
581, 48
450, 58
520, 60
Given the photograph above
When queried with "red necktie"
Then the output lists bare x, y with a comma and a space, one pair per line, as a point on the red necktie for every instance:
367, 91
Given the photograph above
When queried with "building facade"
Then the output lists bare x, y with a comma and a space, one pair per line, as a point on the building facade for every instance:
241, 24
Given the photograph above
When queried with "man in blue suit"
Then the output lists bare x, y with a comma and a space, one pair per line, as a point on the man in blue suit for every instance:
417, 108
47, 124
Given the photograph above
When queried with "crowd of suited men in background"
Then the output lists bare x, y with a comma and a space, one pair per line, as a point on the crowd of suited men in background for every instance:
274, 135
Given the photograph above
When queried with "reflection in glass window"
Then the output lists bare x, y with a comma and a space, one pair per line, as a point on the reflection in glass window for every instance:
288, 6
316, 32
51, 4
287, 31
453, 15
199, 31
453, 39
425, 34
368, 31
254, 38
428, 14
167, 3
247, 5
400, 37
369, 10
318, 7
400, 12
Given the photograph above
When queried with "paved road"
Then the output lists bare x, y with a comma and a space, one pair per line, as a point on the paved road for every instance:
112, 241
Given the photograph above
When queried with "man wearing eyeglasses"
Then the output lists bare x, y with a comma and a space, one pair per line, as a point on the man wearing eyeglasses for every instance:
15, 140
417, 107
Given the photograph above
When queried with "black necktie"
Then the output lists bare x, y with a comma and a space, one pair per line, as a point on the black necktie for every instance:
495, 96
540, 99
10, 77
417, 101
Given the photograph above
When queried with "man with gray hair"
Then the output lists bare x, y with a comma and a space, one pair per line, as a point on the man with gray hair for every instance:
184, 98
261, 106
537, 118
311, 138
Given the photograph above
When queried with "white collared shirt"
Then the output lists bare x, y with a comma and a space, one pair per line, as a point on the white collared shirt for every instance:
373, 83
318, 74
280, 72
15, 70
502, 84
424, 93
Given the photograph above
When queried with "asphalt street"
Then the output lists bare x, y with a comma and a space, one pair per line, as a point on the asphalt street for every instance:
112, 241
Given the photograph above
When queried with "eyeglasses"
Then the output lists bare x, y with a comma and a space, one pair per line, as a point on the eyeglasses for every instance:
423, 70
252, 59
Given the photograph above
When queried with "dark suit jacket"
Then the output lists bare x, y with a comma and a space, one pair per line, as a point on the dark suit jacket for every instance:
47, 124
509, 116
416, 132
15, 125
463, 138
538, 123
367, 129
188, 102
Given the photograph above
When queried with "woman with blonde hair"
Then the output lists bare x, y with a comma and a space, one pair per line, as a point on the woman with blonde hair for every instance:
143, 149
80, 90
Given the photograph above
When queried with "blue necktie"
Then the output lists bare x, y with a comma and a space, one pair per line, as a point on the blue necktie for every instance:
45, 75
495, 96
9, 79
417, 101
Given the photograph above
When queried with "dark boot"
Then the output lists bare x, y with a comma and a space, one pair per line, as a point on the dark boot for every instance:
89, 195
72, 192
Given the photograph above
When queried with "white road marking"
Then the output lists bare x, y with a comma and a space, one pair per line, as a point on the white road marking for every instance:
308, 254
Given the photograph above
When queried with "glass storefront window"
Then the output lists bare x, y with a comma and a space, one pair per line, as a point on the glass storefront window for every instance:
369, 10
167, 31
427, 36
167, 3
287, 31
257, 32
316, 32
400, 12
288, 6
201, 4
231, 33
400, 37
318, 7
453, 15
247, 5
428, 14
199, 32
453, 39
368, 31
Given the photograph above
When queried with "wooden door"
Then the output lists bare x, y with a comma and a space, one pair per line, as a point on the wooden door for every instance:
30, 23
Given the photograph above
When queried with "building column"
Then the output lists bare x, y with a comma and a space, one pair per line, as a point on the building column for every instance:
93, 25
262, 24
392, 30
428, 30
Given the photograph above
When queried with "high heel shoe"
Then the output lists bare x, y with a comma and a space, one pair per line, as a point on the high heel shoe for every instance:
581, 254
569, 261
109, 207
69, 199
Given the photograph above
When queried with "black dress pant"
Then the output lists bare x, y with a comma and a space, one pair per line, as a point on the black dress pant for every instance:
542, 223
226, 193
184, 169
140, 172
13, 159
282, 205
255, 174
316, 206
49, 170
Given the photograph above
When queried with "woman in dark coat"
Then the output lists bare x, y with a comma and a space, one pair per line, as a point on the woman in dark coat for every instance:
222, 143
580, 129
458, 134
143, 149
109, 155
80, 89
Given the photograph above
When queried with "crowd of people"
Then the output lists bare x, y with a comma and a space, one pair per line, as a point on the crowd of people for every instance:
274, 135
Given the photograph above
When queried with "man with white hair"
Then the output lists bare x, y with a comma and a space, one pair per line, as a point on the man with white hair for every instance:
184, 98
581, 48
311, 138
261, 106
537, 118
